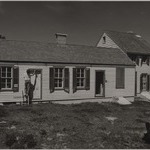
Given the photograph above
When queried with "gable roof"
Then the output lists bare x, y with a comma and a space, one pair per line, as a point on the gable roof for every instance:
24, 51
129, 42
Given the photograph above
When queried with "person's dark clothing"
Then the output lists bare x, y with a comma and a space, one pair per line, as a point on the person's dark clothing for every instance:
30, 92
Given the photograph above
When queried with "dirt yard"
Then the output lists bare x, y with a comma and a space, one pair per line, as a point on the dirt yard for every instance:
86, 125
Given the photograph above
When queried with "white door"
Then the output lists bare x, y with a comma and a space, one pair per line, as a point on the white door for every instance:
37, 91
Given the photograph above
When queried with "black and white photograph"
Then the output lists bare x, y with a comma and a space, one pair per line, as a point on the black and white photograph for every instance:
74, 74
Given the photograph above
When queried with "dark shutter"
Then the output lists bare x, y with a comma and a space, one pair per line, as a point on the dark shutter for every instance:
74, 80
141, 82
16, 79
120, 78
0, 78
147, 61
51, 80
135, 83
66, 80
87, 84
137, 61
147, 82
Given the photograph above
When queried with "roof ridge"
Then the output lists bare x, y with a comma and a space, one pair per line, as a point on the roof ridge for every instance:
54, 43
125, 32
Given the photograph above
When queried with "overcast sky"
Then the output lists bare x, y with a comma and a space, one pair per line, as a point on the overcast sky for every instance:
82, 21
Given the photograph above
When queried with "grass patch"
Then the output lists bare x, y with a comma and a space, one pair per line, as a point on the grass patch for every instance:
75, 126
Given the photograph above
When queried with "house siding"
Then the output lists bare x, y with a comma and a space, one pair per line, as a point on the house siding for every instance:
110, 85
109, 42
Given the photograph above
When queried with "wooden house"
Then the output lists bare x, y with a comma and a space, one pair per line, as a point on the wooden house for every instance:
65, 72
136, 48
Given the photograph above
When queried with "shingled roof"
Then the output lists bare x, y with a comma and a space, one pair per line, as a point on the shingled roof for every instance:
129, 42
24, 51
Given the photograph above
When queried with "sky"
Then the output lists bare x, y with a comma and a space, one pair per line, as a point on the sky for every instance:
82, 21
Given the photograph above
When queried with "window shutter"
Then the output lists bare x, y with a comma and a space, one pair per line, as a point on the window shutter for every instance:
87, 84
141, 82
0, 78
147, 60
137, 60
66, 80
51, 80
16, 79
74, 81
148, 82
120, 78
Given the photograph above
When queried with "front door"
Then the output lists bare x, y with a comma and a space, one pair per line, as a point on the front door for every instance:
99, 83
38, 90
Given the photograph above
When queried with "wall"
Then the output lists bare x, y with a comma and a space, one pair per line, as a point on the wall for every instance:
110, 85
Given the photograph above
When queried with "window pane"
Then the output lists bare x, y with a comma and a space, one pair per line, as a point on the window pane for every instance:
82, 82
8, 74
8, 85
60, 83
82, 74
60, 73
56, 82
3, 74
3, 69
8, 69
3, 83
78, 82
56, 74
78, 72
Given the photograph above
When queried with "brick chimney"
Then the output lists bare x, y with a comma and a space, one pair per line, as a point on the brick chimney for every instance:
61, 38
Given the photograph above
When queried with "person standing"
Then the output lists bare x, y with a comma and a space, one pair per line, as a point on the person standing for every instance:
31, 88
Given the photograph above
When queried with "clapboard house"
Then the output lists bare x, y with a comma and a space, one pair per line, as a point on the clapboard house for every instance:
136, 48
65, 72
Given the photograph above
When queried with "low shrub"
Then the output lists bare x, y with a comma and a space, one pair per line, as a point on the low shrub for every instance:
3, 111
17, 140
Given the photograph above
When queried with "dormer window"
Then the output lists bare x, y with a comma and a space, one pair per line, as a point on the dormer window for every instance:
104, 39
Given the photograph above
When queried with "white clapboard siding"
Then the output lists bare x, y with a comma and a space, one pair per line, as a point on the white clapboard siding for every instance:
110, 85
109, 42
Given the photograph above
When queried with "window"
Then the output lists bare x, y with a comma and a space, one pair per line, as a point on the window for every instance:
6, 78
104, 39
120, 78
58, 77
80, 77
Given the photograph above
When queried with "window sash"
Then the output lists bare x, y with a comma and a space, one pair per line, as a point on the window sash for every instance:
58, 78
80, 77
6, 78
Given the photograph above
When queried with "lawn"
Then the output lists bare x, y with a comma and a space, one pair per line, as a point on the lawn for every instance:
86, 125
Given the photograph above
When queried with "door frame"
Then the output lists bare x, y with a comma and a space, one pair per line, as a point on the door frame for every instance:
41, 83
103, 71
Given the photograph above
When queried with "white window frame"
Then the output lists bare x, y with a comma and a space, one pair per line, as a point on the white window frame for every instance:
59, 78
11, 78
80, 78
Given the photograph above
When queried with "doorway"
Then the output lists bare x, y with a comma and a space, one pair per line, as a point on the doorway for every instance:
37, 94
100, 83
